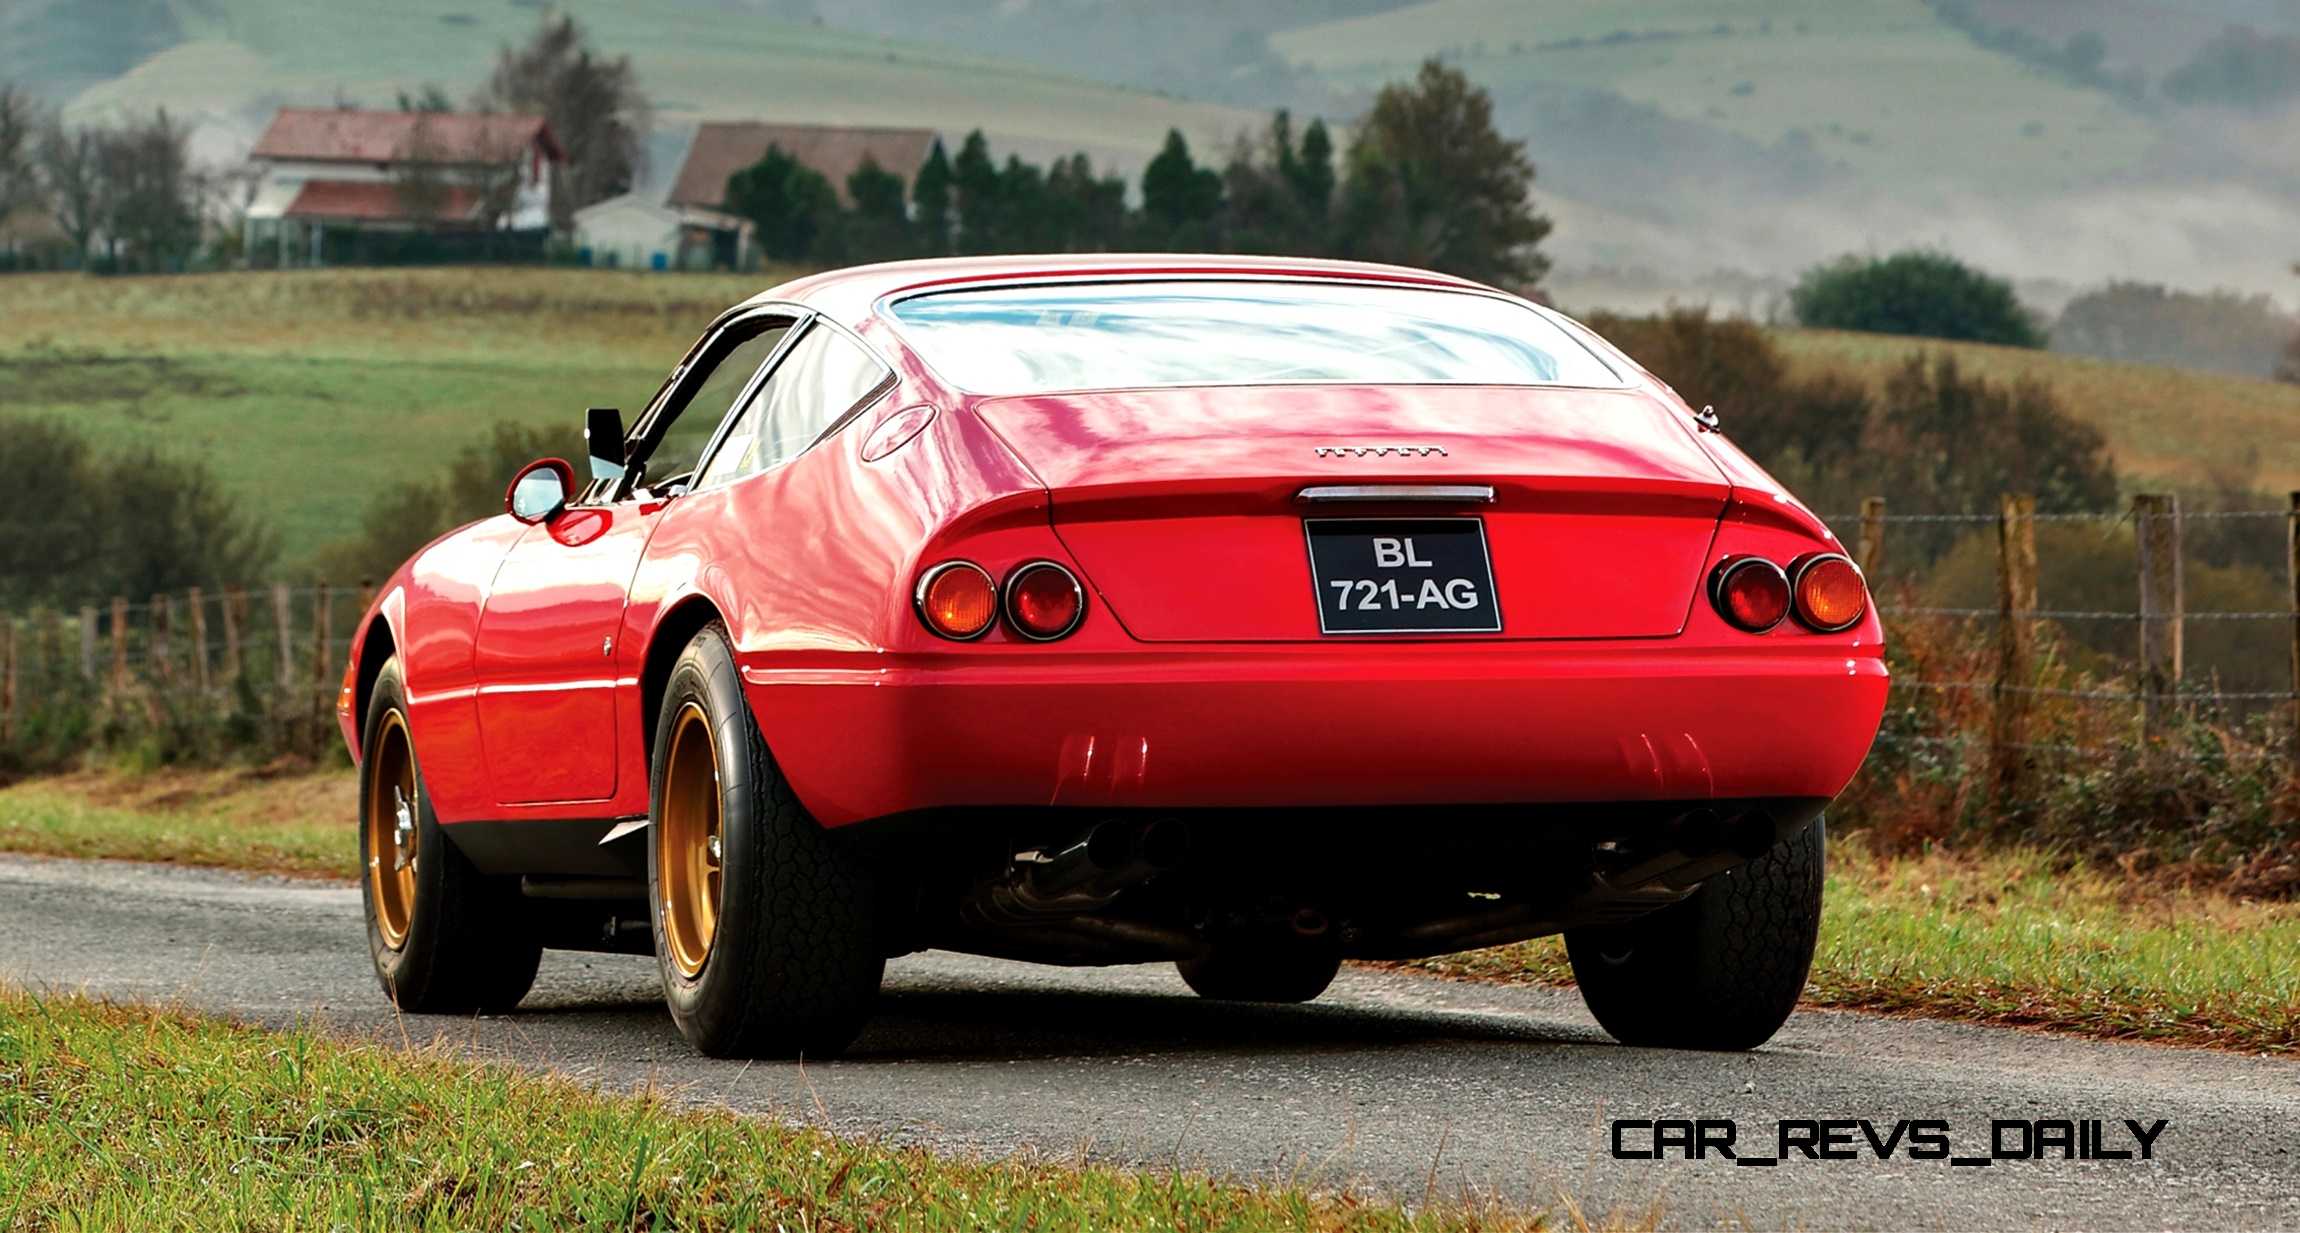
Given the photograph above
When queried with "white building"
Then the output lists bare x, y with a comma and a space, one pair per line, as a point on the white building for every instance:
630, 232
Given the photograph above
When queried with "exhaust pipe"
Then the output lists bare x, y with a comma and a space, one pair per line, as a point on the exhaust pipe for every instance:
1084, 876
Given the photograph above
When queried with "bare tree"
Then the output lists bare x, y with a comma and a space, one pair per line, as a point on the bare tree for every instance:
70, 161
19, 141
151, 190
593, 105
436, 183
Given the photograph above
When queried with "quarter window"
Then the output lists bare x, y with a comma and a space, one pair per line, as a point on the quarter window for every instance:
728, 366
823, 378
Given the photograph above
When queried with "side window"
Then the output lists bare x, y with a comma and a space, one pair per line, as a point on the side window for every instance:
724, 370
825, 376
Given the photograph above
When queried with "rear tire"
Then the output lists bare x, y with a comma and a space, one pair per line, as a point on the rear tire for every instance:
445, 938
1721, 970
764, 921
1287, 971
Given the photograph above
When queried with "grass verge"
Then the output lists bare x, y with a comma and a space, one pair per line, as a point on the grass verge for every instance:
2016, 938
2022, 939
129, 1117
300, 824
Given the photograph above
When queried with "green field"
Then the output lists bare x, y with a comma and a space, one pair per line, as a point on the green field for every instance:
240, 58
1881, 86
310, 392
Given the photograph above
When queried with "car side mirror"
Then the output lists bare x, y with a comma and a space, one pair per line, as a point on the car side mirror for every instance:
539, 491
603, 443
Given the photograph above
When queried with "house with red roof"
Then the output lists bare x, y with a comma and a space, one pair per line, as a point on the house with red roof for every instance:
322, 168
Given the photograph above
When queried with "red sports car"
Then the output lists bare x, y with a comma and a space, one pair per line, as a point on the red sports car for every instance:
1247, 613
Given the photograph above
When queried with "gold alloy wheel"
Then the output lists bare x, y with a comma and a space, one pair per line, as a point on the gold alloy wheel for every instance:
689, 841
392, 832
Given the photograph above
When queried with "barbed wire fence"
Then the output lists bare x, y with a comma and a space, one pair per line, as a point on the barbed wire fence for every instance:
2160, 687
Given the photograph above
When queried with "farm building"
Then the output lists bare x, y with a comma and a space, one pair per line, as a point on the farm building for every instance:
631, 232
722, 148
397, 171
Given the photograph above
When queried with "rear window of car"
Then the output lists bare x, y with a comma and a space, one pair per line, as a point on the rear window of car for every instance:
1044, 339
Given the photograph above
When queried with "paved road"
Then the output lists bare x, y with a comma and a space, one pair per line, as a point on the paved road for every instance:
1388, 1081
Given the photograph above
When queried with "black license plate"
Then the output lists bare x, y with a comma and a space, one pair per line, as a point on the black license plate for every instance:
1402, 576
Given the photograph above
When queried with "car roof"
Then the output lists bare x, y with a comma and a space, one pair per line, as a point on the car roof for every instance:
848, 294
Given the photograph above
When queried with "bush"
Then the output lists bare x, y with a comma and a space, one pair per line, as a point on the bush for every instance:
1931, 295
2151, 324
81, 526
412, 513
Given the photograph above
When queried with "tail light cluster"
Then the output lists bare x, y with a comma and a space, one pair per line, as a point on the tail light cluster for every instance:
1040, 600
1823, 590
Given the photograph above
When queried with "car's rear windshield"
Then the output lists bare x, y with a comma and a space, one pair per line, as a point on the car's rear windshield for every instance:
1101, 336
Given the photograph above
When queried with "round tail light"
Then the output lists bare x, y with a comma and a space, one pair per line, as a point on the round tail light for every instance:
957, 600
1044, 601
1751, 593
1830, 595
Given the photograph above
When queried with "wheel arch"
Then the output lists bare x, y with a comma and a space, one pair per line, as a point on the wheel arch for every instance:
678, 626
377, 646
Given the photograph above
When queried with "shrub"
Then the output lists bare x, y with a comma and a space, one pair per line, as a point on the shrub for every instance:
2152, 324
1931, 295
412, 513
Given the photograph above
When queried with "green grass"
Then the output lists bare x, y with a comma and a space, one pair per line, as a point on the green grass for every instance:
696, 60
2021, 939
303, 824
1881, 86
2014, 938
120, 1117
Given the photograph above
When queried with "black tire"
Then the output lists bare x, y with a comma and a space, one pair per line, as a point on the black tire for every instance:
1719, 971
1278, 971
793, 963
465, 944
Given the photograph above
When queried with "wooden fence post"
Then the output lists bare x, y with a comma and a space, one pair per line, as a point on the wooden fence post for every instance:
2016, 643
197, 602
2156, 527
1872, 547
119, 643
10, 652
157, 651
283, 613
233, 609
88, 643
2292, 578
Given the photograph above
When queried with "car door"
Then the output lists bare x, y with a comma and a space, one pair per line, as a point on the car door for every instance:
545, 649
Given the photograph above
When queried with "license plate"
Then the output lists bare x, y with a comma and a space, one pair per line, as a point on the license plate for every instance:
1402, 576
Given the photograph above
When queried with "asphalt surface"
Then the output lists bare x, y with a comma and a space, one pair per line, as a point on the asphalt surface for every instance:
1394, 1083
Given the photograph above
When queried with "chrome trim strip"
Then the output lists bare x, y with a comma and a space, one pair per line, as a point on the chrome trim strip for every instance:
1006, 600
918, 600
1797, 576
1325, 494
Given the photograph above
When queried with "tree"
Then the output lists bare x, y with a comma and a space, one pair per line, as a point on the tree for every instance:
931, 193
154, 203
975, 183
1180, 200
1085, 212
791, 205
1932, 295
593, 105
877, 227
19, 150
1433, 183
71, 167
1312, 172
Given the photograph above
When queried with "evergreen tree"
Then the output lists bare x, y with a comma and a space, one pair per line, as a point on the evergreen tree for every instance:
1313, 172
1433, 183
930, 192
790, 204
877, 226
1180, 200
974, 177
1087, 213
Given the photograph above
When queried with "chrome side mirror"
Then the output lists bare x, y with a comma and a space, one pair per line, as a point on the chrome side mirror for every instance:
539, 491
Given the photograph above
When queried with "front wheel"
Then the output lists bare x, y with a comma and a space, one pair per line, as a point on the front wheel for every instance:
764, 926
1721, 970
445, 938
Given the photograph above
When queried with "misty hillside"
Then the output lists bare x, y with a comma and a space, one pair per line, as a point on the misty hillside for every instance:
1688, 148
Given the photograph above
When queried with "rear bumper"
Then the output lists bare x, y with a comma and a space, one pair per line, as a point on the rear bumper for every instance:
1257, 727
